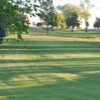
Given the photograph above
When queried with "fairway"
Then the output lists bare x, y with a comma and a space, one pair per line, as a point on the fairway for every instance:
64, 66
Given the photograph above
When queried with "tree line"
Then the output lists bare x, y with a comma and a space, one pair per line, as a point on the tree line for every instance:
12, 22
70, 15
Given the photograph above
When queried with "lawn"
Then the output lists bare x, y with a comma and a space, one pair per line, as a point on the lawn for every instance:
58, 66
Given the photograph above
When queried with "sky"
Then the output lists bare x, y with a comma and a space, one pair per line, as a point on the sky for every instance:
95, 11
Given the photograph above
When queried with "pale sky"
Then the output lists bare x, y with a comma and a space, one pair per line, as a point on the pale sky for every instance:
95, 11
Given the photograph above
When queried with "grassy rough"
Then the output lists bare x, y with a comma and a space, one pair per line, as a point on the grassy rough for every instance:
64, 66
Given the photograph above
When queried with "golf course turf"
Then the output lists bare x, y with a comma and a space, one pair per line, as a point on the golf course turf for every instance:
63, 65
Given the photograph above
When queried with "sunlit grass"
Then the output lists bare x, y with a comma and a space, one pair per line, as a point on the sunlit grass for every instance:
64, 66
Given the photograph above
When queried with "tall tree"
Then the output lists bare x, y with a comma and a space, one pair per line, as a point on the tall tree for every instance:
11, 12
72, 20
68, 22
86, 7
52, 19
47, 8
55, 19
59, 19
97, 23
68, 9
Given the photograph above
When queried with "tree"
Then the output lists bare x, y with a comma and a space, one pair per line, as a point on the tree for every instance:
72, 20
86, 7
55, 19
47, 8
68, 9
59, 19
68, 22
88, 24
97, 23
63, 25
11, 12
52, 19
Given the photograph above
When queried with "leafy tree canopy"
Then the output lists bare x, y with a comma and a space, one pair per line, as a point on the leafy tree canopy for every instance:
97, 22
59, 19
52, 19
11, 12
68, 9
73, 20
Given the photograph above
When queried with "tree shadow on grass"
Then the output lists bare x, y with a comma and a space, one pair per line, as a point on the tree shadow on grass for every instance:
74, 79
50, 47
53, 60
44, 86
50, 79
72, 66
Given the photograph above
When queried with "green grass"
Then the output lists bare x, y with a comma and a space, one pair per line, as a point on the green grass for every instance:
64, 66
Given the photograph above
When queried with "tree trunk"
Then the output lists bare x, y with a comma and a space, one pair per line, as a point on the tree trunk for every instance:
86, 25
47, 31
47, 27
72, 28
52, 27
47, 24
